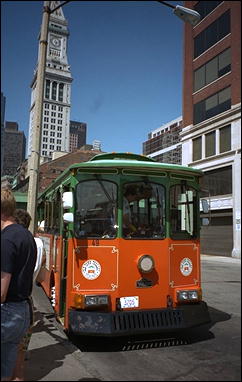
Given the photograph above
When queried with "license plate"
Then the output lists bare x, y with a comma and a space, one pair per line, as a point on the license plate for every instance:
129, 302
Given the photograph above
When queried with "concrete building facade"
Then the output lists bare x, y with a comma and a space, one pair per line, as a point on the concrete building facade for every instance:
211, 135
57, 92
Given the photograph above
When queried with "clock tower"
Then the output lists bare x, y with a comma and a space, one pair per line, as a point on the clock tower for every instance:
57, 92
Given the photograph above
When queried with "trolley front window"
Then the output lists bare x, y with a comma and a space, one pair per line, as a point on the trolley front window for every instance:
143, 211
183, 212
96, 209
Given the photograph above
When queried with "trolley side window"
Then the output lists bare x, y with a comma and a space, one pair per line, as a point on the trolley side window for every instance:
143, 211
183, 215
96, 209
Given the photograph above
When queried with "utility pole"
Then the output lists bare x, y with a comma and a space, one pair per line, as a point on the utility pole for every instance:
34, 160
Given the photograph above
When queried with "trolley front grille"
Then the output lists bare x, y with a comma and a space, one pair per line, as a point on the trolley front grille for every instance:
126, 321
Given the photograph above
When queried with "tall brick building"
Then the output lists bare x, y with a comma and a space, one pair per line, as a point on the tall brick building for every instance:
212, 117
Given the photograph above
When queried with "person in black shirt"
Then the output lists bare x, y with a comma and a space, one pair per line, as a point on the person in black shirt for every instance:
18, 257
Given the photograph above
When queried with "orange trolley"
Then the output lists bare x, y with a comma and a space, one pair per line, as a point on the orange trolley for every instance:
121, 236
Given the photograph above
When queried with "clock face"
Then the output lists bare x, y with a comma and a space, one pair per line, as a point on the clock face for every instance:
56, 42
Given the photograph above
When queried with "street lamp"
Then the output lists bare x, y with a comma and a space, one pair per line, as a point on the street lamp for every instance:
186, 14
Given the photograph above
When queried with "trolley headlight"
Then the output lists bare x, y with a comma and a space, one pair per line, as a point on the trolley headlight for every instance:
95, 300
146, 263
87, 301
189, 295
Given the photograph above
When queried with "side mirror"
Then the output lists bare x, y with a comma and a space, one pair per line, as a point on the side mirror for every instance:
67, 199
68, 217
205, 221
205, 205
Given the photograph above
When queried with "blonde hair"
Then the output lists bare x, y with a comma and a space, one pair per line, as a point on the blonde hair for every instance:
8, 203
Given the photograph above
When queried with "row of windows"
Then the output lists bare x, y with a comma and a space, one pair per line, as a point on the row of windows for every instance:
45, 153
211, 106
53, 127
206, 7
213, 69
53, 120
212, 34
217, 182
51, 147
54, 90
53, 114
222, 135
52, 140
53, 107
52, 134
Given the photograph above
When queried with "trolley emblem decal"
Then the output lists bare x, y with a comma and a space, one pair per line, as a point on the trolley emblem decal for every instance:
91, 269
186, 266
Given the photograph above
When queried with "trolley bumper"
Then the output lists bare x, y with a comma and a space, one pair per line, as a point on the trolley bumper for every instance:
137, 322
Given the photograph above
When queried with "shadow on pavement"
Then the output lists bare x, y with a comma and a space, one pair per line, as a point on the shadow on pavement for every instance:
46, 355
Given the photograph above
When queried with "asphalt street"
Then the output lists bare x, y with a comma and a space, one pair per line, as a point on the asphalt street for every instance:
214, 357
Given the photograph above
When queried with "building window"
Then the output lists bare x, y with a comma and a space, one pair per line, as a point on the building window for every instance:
225, 139
206, 7
210, 144
212, 70
58, 148
61, 89
211, 106
54, 90
218, 182
60, 108
197, 148
212, 34
47, 89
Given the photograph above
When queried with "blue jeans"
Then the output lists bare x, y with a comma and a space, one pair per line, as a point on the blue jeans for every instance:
15, 321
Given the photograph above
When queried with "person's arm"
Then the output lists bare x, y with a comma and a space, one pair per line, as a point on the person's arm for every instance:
5, 281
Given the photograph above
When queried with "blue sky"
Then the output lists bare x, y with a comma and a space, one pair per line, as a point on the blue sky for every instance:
126, 62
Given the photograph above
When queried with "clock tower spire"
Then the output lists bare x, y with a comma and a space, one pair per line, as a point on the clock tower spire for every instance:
57, 92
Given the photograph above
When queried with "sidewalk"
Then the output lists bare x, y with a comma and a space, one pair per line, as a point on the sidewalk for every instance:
51, 357
221, 259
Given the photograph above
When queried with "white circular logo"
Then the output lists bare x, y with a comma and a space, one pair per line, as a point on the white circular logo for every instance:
186, 266
91, 269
